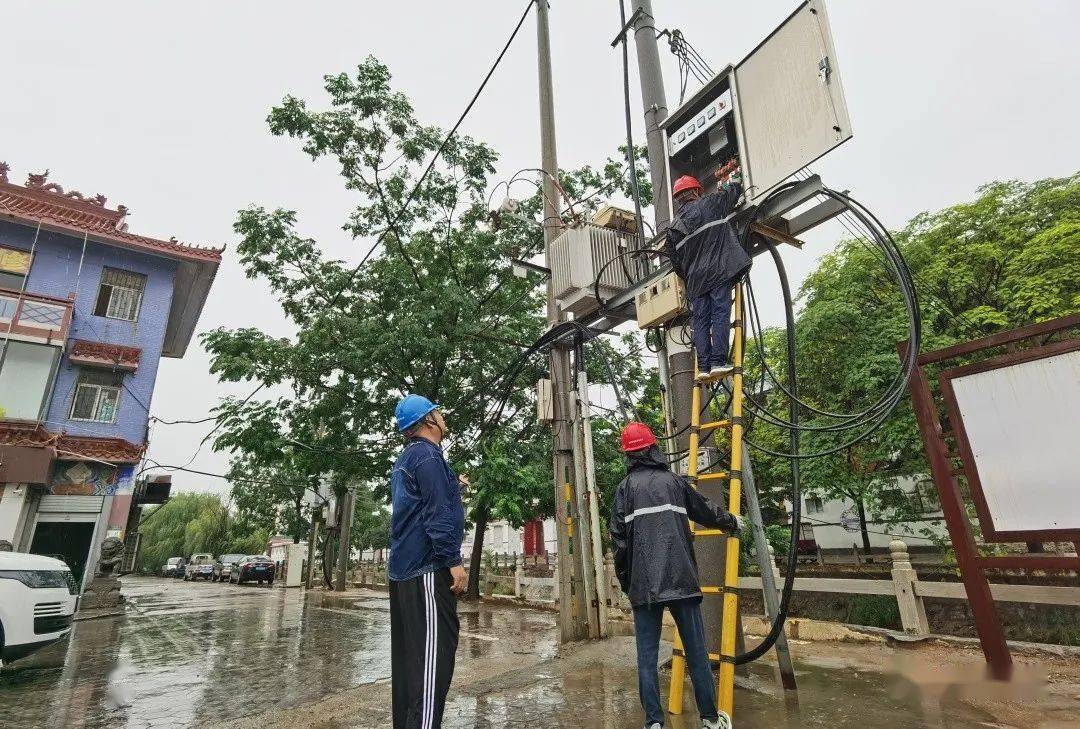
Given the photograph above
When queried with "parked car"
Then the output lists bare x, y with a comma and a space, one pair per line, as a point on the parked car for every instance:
200, 566
224, 566
173, 567
38, 597
255, 567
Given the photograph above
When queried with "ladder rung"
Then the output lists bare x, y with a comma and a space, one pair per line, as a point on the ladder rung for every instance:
710, 590
716, 476
708, 532
715, 424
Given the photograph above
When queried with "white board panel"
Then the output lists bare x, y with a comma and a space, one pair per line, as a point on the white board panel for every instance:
790, 99
1023, 426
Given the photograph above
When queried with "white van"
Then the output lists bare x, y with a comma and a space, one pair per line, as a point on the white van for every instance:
38, 598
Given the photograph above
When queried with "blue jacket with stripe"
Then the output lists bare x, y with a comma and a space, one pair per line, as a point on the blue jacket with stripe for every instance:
650, 530
428, 521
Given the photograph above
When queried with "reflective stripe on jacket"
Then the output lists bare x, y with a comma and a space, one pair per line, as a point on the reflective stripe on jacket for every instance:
714, 256
650, 529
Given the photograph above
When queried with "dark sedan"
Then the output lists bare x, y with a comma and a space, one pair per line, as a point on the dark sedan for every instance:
224, 566
253, 568
174, 567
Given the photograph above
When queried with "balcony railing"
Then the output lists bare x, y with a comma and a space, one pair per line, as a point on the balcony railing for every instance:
34, 317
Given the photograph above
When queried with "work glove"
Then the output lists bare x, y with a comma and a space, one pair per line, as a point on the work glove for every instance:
740, 524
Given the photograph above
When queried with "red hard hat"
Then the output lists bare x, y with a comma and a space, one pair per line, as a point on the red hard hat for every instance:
686, 182
637, 437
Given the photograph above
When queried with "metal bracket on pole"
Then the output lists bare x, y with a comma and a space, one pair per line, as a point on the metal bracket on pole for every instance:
765, 566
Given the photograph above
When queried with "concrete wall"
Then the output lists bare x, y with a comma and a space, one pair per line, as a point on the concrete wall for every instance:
55, 271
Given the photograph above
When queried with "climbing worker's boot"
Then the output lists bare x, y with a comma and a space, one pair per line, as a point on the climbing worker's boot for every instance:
718, 372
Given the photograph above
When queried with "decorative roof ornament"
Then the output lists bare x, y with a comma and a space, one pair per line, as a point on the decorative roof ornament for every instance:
5, 168
41, 182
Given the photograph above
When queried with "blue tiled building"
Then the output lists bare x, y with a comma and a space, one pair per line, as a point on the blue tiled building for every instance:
87, 310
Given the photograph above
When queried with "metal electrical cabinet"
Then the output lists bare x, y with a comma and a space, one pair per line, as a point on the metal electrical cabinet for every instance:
578, 255
660, 301
776, 111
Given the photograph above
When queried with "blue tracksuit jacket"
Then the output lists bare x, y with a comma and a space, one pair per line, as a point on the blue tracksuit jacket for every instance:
428, 522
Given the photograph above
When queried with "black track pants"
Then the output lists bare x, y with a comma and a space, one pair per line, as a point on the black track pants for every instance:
423, 641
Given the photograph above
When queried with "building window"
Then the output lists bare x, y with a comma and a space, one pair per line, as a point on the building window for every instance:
97, 397
814, 505
120, 295
14, 267
26, 372
925, 497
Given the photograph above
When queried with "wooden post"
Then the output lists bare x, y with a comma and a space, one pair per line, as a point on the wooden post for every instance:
987, 621
906, 581
519, 577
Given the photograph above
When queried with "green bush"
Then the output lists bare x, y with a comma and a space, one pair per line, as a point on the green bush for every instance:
879, 611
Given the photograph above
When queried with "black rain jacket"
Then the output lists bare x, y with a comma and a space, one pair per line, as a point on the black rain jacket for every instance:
714, 257
654, 556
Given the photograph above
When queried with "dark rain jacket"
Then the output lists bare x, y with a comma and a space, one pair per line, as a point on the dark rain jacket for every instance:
654, 556
713, 257
428, 521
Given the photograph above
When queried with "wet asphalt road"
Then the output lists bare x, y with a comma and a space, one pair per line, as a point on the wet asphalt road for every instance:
192, 653
196, 654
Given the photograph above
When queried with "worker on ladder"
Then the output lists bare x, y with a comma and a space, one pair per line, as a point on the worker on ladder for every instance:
654, 561
706, 254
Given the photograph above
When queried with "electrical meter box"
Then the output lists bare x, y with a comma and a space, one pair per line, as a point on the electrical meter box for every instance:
582, 254
660, 301
776, 111
545, 403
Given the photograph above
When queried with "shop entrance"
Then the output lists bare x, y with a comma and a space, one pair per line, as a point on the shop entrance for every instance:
69, 541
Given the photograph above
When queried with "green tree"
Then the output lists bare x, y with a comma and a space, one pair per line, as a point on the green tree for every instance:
436, 312
1009, 258
190, 523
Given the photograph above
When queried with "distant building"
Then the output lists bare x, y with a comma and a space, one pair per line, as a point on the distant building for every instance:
832, 525
87, 309
535, 537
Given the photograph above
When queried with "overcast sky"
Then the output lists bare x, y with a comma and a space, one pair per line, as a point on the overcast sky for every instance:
162, 107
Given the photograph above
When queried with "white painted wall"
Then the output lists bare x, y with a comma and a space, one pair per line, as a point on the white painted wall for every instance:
830, 535
12, 503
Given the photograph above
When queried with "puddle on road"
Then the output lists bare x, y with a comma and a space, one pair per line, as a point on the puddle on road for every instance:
189, 656
605, 697
183, 666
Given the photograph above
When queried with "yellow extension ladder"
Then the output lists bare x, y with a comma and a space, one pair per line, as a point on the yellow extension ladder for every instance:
726, 688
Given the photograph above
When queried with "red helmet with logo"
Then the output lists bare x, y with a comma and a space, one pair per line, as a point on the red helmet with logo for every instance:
684, 183
637, 437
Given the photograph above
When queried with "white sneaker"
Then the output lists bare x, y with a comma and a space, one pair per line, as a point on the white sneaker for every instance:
655, 725
721, 371
721, 722
702, 376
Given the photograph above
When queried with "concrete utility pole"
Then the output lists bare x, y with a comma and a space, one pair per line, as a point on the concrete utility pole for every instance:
348, 506
572, 610
593, 504
676, 365
313, 537
679, 356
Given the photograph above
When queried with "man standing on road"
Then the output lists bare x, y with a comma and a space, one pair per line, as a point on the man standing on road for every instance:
425, 568
654, 561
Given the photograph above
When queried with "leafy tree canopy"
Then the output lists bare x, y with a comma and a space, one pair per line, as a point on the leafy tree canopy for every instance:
1009, 258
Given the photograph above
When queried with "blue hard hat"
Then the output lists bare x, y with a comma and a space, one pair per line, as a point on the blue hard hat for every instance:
411, 410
